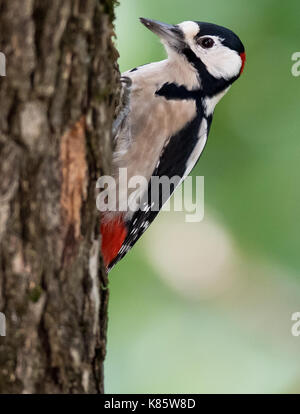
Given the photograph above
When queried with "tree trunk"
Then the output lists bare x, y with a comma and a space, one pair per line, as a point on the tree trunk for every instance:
57, 105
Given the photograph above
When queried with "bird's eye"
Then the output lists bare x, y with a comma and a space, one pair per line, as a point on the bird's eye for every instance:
206, 42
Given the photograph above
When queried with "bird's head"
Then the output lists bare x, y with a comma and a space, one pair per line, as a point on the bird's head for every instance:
213, 50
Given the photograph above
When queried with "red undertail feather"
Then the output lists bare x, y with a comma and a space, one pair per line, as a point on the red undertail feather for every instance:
113, 235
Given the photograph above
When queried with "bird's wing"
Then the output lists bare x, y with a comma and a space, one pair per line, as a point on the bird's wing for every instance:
177, 159
152, 120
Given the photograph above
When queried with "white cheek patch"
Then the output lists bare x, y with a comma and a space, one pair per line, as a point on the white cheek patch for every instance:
190, 30
221, 62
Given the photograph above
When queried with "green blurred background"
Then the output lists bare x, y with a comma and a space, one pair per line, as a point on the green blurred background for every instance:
207, 307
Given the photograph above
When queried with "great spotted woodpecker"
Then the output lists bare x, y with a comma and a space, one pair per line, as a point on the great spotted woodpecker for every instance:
164, 127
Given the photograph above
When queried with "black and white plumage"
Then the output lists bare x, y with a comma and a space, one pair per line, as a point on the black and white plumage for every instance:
167, 121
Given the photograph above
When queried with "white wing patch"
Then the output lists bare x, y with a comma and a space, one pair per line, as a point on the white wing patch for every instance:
198, 148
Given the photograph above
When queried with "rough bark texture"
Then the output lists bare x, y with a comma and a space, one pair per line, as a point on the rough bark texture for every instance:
57, 104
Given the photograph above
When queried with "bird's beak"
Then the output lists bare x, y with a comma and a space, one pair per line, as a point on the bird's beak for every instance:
167, 32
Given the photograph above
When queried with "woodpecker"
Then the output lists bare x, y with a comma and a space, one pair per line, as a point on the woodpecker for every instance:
163, 127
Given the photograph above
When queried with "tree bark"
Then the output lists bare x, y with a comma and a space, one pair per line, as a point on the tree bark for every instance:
58, 101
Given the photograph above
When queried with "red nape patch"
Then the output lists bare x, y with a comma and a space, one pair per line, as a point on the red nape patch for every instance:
243, 57
113, 235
